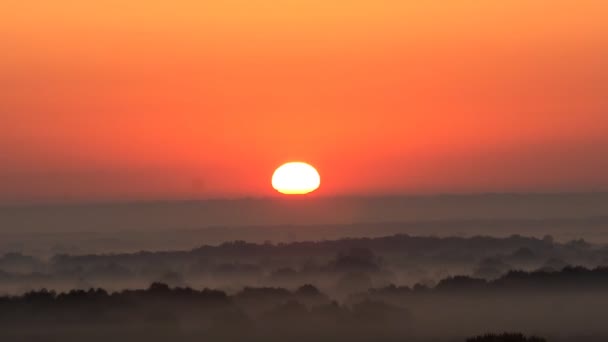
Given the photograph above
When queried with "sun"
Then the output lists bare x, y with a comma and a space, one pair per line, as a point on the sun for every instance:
295, 178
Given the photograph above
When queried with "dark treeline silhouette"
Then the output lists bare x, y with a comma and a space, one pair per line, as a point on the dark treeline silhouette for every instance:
461, 306
569, 278
162, 313
506, 337
567, 305
337, 267
395, 288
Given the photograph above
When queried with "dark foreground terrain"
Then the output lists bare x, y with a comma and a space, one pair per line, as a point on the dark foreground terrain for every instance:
569, 305
393, 288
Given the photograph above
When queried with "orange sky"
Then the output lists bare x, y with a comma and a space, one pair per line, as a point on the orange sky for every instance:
182, 99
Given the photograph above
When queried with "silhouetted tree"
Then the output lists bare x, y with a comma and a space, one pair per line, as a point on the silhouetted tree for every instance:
506, 337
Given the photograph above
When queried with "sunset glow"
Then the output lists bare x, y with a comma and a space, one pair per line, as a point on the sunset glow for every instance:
169, 99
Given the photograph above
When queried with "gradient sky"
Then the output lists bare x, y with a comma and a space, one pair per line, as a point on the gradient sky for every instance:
180, 99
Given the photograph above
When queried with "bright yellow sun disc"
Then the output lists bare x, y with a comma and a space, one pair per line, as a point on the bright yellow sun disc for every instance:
295, 178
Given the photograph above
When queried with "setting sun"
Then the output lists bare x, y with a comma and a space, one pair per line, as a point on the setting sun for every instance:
295, 178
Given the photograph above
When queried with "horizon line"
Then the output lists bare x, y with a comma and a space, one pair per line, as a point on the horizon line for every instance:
159, 200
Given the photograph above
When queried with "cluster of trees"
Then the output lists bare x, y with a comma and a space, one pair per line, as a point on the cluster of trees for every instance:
338, 266
570, 278
506, 337
160, 312
459, 305
505, 284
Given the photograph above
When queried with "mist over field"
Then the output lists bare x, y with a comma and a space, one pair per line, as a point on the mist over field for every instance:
353, 269
391, 288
